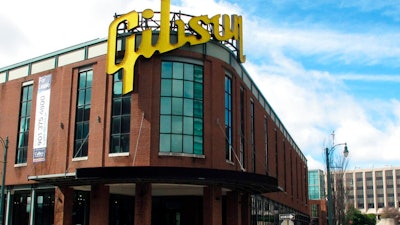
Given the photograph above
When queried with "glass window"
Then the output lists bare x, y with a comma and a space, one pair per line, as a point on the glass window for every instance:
266, 143
253, 140
121, 208
120, 118
228, 118
21, 207
44, 207
314, 210
80, 207
83, 106
242, 132
181, 108
24, 120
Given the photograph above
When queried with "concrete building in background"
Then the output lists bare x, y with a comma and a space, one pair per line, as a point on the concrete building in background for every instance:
177, 134
368, 190
371, 190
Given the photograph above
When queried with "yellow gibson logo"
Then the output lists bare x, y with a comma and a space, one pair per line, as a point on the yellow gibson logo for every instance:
232, 29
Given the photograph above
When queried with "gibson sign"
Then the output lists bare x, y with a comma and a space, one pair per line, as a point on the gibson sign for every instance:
230, 29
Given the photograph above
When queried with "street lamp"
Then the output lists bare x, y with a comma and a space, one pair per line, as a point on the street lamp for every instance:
329, 151
3, 178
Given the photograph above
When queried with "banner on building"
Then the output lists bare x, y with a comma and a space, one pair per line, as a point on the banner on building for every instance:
41, 119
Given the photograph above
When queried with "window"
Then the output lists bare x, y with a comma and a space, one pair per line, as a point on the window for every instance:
24, 119
228, 118
284, 167
21, 207
276, 155
81, 207
266, 143
83, 113
314, 211
253, 138
121, 208
242, 136
44, 207
181, 108
120, 117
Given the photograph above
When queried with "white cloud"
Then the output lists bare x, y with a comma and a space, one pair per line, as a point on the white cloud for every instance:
313, 164
44, 26
369, 77
312, 103
328, 45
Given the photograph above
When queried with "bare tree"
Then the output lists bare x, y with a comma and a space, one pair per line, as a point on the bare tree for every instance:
338, 165
339, 196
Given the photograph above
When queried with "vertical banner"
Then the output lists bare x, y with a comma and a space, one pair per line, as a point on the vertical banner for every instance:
41, 119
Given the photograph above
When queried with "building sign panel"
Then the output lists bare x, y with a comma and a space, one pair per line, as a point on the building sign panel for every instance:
41, 119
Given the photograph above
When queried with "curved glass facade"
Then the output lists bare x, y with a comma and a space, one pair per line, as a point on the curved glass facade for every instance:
181, 108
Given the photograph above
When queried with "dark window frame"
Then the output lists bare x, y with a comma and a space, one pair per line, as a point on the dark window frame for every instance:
253, 135
120, 117
228, 119
24, 123
181, 108
242, 148
83, 108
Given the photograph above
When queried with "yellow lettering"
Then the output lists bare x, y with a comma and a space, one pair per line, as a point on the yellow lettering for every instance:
238, 36
146, 46
202, 34
163, 43
128, 62
231, 29
226, 30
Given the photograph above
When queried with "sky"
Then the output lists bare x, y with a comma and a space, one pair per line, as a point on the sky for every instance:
324, 66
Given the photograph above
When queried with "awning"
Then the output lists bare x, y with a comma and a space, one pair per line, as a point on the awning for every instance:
235, 180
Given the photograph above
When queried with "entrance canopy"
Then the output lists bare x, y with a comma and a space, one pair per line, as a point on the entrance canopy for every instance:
234, 180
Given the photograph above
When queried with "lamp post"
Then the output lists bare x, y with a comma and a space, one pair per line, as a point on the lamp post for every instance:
3, 178
329, 151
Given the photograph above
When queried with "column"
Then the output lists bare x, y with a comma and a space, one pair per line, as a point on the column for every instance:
212, 205
385, 202
33, 203
8, 208
99, 203
374, 191
396, 199
365, 191
355, 189
63, 201
246, 209
143, 203
233, 208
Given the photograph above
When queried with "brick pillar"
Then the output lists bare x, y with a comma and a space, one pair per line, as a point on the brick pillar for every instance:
212, 205
246, 209
233, 208
143, 202
99, 203
63, 200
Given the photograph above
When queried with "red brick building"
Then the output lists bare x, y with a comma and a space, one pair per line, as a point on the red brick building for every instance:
318, 212
195, 142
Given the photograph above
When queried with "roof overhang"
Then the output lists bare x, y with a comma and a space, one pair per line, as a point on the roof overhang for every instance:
54, 178
234, 180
